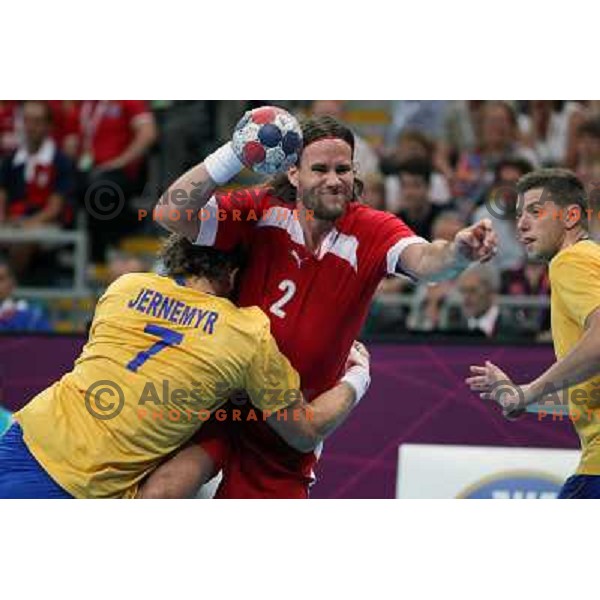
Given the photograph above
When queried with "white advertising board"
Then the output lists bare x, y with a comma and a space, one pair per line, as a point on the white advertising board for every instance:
444, 471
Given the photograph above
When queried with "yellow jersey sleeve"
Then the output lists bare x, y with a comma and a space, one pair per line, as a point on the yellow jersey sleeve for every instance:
271, 381
574, 277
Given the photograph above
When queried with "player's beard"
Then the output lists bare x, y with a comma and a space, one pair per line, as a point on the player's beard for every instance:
325, 210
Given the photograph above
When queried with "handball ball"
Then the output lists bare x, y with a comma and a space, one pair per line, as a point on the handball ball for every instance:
267, 140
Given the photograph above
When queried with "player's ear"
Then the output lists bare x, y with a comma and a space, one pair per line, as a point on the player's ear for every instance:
572, 216
292, 176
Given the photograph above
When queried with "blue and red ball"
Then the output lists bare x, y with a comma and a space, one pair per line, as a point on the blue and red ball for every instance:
268, 140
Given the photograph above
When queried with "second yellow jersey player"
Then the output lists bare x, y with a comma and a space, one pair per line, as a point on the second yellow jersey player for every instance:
575, 282
556, 222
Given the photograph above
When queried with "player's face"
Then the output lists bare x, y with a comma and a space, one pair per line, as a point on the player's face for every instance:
324, 179
540, 231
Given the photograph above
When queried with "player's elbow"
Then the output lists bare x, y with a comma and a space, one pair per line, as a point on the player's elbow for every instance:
312, 435
171, 217
305, 438
298, 431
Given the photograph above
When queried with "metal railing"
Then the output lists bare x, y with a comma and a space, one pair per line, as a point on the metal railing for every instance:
527, 311
408, 301
58, 237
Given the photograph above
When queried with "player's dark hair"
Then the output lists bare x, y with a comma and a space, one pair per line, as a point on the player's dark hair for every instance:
417, 167
560, 186
180, 257
318, 128
314, 129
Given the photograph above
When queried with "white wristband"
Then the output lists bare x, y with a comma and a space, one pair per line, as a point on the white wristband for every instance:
223, 164
358, 378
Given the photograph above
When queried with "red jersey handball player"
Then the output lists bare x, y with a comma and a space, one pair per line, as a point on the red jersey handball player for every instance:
315, 256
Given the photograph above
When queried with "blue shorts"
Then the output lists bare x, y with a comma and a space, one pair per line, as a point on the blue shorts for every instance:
21, 476
583, 487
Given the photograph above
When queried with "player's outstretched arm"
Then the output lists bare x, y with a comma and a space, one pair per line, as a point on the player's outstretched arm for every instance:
304, 426
441, 260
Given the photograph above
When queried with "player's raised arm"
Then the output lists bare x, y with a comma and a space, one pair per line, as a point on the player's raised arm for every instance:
178, 208
266, 139
304, 426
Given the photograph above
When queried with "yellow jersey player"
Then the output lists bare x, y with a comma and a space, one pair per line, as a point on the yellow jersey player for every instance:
164, 353
553, 223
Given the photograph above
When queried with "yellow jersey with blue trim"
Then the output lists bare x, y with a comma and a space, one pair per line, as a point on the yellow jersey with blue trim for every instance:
161, 356
575, 283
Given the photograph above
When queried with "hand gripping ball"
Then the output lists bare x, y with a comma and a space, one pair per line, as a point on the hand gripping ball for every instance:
267, 140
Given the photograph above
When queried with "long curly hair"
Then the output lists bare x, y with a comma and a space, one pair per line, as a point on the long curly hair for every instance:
180, 257
313, 129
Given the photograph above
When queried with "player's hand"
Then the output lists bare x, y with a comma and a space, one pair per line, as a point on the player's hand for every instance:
359, 357
267, 139
494, 384
477, 242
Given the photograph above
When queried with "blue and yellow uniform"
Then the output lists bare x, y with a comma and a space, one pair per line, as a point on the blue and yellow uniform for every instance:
575, 282
159, 357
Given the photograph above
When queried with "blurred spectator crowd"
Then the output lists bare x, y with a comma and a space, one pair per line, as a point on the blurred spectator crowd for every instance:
88, 167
